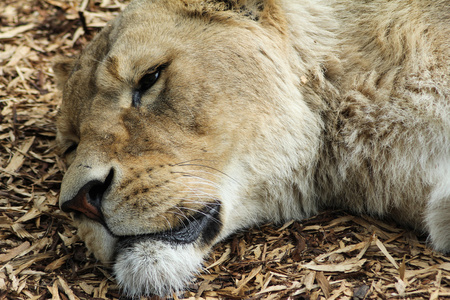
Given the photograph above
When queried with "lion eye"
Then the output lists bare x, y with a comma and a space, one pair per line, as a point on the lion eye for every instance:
70, 149
146, 82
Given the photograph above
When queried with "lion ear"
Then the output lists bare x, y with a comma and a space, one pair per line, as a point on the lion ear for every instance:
62, 67
272, 15
267, 12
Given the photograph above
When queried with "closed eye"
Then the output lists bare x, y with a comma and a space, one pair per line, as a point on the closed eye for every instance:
144, 84
70, 149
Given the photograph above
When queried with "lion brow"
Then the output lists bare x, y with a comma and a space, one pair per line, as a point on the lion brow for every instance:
112, 66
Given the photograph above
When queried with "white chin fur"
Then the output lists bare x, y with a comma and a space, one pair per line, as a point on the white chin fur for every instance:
154, 267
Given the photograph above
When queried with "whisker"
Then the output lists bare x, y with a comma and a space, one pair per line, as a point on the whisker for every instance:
180, 214
191, 160
170, 225
203, 204
192, 189
200, 171
186, 174
188, 163
203, 213
201, 181
199, 193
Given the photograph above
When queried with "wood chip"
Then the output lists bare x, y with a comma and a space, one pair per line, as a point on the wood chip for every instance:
14, 252
324, 284
67, 289
347, 266
18, 158
56, 264
8, 34
386, 253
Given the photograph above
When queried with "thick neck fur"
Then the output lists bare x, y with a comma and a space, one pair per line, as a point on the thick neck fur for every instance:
367, 74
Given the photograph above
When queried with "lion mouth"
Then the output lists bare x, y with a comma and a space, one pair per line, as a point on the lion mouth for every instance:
205, 224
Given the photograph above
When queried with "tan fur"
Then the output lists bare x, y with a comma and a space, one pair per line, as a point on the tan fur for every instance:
273, 109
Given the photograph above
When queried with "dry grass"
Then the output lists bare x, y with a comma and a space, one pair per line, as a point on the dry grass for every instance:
334, 255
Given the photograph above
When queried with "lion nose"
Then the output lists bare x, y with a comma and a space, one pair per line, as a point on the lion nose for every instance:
88, 200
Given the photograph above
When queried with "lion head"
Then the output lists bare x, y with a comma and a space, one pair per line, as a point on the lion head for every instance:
181, 122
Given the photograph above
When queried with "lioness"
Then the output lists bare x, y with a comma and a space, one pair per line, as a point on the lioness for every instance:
186, 120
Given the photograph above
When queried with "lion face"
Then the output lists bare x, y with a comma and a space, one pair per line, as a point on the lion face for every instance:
167, 125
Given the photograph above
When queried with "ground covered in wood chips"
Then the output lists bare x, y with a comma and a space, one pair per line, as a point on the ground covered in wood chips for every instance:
333, 256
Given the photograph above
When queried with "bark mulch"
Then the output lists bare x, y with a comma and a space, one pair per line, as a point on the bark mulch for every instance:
333, 255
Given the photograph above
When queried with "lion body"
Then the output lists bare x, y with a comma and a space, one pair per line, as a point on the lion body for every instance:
262, 111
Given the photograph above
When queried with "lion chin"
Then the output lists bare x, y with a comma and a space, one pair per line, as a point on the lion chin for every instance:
152, 264
154, 267
184, 121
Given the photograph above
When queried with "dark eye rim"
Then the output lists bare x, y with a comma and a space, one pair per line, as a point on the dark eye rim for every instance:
70, 149
147, 81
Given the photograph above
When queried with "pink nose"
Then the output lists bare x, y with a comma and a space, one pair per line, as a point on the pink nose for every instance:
88, 200
81, 204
